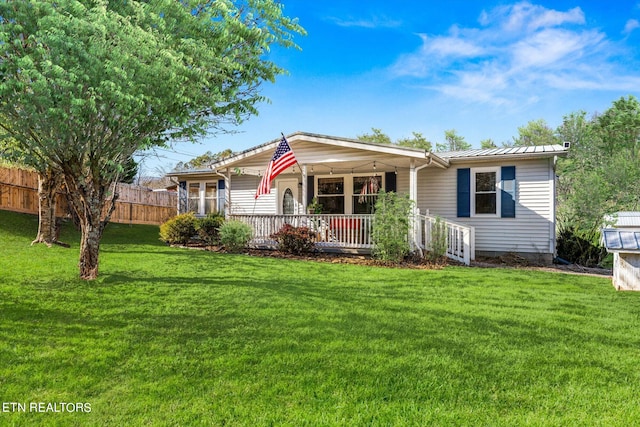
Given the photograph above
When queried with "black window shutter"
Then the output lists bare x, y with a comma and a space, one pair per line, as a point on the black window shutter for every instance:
183, 197
390, 181
508, 196
310, 189
464, 193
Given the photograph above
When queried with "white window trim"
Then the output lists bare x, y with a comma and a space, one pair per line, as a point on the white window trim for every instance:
496, 170
202, 195
348, 187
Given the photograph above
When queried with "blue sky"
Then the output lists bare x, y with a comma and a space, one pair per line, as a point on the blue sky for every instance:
483, 68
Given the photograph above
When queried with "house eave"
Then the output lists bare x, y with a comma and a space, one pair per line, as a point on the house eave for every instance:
301, 137
501, 157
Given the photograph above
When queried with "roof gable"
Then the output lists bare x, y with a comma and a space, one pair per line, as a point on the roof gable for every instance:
331, 141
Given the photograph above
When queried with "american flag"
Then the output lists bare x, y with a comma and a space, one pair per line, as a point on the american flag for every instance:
282, 159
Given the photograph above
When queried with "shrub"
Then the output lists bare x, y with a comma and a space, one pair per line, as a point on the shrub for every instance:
179, 229
208, 228
439, 242
391, 227
294, 240
235, 235
580, 247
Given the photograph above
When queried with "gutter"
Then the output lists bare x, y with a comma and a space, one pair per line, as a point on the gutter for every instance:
443, 163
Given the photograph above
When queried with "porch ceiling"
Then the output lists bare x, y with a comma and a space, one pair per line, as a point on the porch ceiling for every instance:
358, 166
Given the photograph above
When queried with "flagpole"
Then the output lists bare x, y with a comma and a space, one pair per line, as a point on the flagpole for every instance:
297, 163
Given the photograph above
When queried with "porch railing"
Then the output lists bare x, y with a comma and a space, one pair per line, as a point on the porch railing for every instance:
354, 232
331, 231
460, 238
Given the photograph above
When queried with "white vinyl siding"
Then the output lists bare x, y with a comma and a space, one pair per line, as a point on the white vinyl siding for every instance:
530, 231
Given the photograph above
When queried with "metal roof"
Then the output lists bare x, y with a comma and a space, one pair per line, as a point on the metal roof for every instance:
624, 219
441, 158
616, 240
506, 151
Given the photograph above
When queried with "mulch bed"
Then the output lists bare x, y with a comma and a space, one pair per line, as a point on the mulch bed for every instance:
509, 260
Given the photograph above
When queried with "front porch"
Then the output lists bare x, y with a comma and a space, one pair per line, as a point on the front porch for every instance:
352, 232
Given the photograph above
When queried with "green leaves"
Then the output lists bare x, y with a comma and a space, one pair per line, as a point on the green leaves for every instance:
84, 84
601, 175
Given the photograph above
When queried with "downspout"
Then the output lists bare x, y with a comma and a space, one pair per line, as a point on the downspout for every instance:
413, 196
552, 232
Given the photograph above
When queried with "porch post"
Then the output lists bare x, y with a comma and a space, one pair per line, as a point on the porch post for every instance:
303, 169
413, 182
227, 194
413, 196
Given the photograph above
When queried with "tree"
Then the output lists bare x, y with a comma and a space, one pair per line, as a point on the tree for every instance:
488, 143
376, 136
601, 174
203, 160
49, 184
129, 171
379, 137
453, 142
85, 84
536, 132
417, 141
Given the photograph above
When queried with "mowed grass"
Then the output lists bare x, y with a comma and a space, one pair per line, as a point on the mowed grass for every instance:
182, 337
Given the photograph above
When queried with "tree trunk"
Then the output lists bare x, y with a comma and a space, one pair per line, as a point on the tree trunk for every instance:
48, 184
89, 251
88, 201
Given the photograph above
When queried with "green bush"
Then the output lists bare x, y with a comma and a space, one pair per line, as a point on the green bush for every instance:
179, 230
439, 242
208, 228
294, 240
235, 235
391, 227
580, 247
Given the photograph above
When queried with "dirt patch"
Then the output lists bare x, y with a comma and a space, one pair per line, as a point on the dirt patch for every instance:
516, 261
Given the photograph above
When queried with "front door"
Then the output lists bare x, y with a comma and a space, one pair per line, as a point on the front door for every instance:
288, 201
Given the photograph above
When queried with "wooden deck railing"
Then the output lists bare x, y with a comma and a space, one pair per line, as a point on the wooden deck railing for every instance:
331, 231
354, 232
460, 238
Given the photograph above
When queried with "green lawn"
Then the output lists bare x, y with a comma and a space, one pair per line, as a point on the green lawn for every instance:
183, 337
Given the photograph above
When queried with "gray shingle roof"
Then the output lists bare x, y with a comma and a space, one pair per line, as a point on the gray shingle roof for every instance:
616, 240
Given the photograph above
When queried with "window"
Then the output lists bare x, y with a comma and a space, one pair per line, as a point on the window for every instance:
486, 194
194, 197
210, 197
203, 197
365, 193
331, 195
288, 202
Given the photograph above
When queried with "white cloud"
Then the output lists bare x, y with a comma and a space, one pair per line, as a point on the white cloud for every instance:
451, 46
554, 48
631, 25
529, 17
372, 22
517, 53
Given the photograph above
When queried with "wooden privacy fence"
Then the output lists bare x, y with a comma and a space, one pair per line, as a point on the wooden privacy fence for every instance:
135, 204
